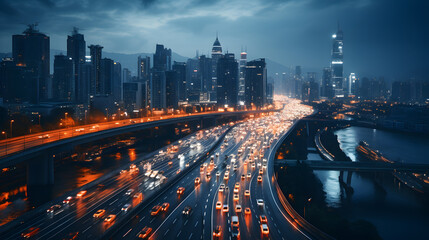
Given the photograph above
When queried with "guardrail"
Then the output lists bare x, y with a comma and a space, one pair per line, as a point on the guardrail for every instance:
322, 150
298, 219
149, 200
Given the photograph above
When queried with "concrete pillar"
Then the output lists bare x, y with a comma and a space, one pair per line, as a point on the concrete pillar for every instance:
349, 178
40, 170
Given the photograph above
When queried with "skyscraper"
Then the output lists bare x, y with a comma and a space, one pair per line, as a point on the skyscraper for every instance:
205, 73
95, 83
76, 48
216, 55
337, 63
256, 83
32, 49
106, 76
171, 79
117, 82
17, 83
193, 81
327, 89
297, 81
63, 84
162, 58
157, 90
351, 84
143, 68
180, 69
227, 81
242, 71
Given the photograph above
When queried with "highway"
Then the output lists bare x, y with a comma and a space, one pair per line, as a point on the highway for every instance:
242, 153
76, 217
194, 201
13, 145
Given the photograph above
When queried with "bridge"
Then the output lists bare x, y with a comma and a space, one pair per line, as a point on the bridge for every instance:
357, 166
44, 145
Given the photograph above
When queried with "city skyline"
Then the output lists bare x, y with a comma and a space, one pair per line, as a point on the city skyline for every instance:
284, 41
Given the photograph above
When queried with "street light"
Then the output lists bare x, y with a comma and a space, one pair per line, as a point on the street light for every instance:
5, 133
11, 121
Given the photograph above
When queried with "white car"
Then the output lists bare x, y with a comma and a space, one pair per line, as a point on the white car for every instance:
260, 202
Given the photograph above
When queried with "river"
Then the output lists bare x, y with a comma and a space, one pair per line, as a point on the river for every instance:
395, 210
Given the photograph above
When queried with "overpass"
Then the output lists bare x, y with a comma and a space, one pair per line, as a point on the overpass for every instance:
356, 166
43, 146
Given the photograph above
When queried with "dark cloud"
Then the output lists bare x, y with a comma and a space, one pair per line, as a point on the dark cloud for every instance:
382, 37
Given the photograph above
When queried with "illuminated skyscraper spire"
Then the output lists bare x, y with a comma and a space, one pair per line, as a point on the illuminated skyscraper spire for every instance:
337, 62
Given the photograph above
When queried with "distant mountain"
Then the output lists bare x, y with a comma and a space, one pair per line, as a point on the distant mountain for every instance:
130, 60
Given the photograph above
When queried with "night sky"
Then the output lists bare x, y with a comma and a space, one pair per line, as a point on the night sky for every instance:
382, 37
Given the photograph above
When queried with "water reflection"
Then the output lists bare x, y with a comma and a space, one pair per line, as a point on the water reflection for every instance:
378, 197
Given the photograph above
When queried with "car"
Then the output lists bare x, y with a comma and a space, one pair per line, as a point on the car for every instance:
237, 185
236, 197
264, 229
197, 180
234, 221
243, 177
247, 211
217, 232
218, 205
217, 174
226, 176
261, 171
165, 206
225, 208
260, 202
129, 191
238, 208
249, 175
253, 165
259, 164
110, 218
222, 187
54, 208
208, 175
235, 167
126, 207
180, 190
81, 193
99, 214
155, 210
68, 200
235, 232
264, 166
247, 193
263, 219
144, 233
31, 232
259, 178
187, 211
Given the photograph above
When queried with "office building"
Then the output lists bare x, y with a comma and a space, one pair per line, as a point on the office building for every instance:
216, 55
143, 68
327, 90
63, 83
95, 85
171, 91
180, 69
227, 81
256, 83
117, 82
337, 63
242, 71
76, 48
133, 95
17, 83
32, 49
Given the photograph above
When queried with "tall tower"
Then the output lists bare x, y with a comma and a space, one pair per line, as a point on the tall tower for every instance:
95, 83
31, 49
243, 61
216, 55
337, 62
76, 48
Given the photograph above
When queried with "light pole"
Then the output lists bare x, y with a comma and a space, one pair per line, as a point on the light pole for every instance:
308, 201
11, 121
5, 133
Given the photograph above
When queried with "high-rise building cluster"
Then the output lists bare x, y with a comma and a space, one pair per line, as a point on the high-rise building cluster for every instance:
87, 82
333, 83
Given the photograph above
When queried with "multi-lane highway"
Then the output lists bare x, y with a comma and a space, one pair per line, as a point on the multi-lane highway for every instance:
230, 195
131, 186
227, 195
13, 145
